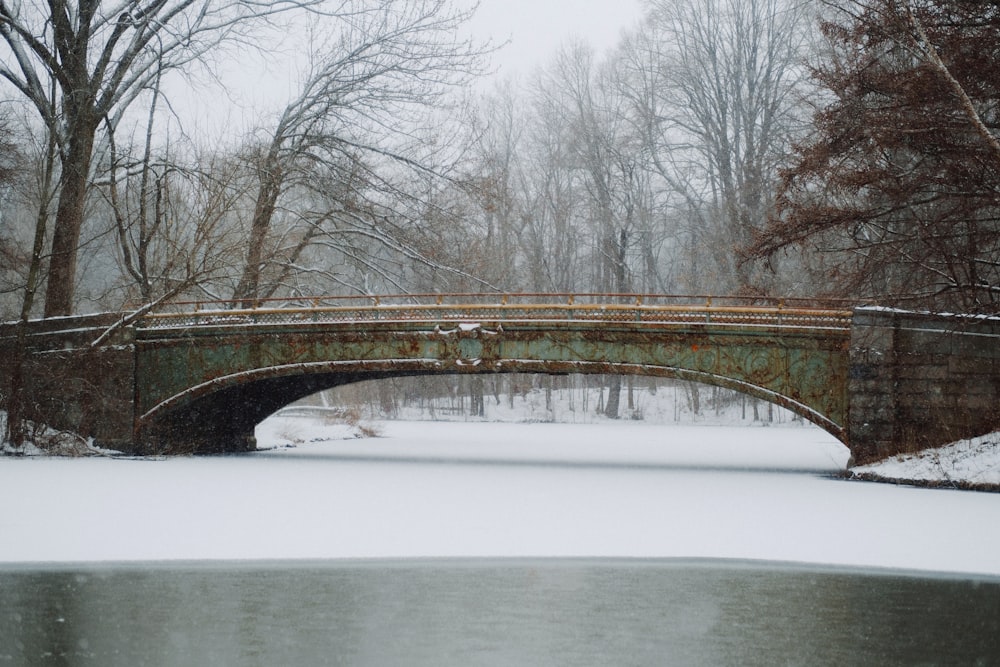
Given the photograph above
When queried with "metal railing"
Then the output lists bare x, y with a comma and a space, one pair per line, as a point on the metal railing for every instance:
468, 307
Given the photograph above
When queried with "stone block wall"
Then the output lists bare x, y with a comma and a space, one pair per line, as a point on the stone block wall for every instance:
69, 385
920, 380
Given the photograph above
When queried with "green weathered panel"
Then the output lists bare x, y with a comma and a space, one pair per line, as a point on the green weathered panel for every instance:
805, 369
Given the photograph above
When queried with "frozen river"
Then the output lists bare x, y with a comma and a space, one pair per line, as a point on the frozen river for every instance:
494, 544
473, 490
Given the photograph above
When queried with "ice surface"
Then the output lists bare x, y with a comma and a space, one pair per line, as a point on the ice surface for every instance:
497, 490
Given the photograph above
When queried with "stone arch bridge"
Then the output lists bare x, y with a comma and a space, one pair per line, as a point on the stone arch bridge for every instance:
199, 377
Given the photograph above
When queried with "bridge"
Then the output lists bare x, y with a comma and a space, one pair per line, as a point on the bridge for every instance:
200, 376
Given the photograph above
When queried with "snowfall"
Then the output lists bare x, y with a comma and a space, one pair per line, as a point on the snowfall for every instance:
471, 489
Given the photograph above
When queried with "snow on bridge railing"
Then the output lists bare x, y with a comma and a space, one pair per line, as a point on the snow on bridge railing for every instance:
473, 307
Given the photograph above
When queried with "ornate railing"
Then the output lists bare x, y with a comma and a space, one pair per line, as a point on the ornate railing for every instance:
458, 308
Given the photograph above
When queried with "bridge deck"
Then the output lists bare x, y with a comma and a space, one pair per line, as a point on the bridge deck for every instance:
590, 308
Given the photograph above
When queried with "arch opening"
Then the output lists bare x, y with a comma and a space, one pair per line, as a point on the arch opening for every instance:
221, 415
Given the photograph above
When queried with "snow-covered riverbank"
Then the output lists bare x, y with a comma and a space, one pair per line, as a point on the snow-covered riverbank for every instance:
968, 464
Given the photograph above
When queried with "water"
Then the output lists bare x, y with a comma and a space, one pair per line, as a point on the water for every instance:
493, 612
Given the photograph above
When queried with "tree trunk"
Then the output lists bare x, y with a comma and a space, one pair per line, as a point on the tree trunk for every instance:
476, 397
247, 291
387, 398
614, 396
69, 221
15, 398
694, 393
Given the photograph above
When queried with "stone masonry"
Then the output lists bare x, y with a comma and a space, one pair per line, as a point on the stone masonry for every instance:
920, 380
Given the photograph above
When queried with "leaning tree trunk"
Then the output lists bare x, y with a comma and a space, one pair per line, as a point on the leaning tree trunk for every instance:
248, 289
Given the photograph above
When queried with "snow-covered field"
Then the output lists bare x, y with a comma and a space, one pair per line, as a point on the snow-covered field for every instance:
435, 489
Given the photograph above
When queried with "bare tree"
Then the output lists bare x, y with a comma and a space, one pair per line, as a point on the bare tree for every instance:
713, 86
19, 267
551, 235
496, 186
604, 153
356, 133
22, 175
101, 56
174, 224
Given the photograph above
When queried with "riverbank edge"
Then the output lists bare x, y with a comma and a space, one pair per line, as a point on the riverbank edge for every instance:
952, 484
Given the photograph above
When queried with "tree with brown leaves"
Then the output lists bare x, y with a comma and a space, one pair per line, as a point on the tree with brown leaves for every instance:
901, 180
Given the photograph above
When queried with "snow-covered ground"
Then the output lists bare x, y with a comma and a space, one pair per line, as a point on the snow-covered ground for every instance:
973, 463
437, 490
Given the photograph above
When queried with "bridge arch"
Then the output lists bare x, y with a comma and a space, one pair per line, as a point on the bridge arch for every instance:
204, 379
885, 381
221, 414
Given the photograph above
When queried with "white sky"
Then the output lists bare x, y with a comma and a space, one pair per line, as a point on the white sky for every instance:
537, 28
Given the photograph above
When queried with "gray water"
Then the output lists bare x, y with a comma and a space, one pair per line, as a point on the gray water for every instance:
507, 612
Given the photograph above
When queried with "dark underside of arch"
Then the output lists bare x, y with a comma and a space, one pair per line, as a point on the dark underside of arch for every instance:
220, 416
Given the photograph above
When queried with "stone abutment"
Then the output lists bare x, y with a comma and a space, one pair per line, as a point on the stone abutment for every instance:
920, 380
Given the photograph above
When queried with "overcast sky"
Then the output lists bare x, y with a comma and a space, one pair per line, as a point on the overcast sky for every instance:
537, 28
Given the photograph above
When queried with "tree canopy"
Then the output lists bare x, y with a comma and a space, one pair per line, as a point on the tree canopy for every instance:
901, 178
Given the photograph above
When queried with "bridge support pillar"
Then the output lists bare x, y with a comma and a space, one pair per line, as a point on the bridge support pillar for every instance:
69, 385
919, 381
202, 437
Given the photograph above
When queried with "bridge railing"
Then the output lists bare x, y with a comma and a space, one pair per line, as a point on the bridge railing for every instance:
458, 298
468, 307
